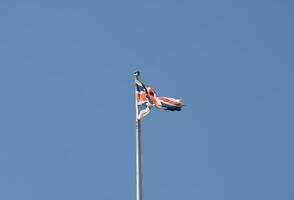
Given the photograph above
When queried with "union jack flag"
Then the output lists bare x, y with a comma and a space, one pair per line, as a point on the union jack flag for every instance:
146, 98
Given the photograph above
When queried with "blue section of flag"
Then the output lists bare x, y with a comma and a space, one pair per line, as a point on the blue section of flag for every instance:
170, 107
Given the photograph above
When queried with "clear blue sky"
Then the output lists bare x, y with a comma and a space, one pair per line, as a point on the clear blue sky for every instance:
67, 99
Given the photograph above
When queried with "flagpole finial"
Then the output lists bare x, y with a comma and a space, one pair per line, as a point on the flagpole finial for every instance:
136, 74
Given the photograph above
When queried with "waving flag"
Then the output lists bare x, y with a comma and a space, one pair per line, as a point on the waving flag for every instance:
146, 97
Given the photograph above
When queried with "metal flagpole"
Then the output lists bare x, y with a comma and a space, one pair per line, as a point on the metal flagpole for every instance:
138, 149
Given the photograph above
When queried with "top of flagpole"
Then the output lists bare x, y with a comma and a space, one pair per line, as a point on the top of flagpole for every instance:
136, 75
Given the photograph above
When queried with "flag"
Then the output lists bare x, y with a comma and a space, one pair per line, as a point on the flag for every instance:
146, 98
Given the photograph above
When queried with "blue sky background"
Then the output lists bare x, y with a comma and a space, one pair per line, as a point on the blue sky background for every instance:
67, 99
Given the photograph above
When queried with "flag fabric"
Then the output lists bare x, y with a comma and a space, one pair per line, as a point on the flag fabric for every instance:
142, 103
146, 98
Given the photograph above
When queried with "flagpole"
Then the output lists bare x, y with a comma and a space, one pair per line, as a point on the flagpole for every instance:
138, 149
